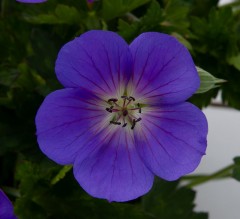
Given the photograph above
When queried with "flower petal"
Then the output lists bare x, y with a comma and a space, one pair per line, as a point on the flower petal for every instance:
115, 171
6, 207
66, 120
163, 69
172, 140
97, 60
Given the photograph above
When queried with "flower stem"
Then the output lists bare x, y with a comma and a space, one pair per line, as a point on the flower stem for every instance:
199, 179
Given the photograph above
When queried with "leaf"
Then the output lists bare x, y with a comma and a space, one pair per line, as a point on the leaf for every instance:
216, 34
149, 22
63, 14
236, 170
128, 31
208, 81
235, 61
116, 8
182, 40
154, 15
64, 199
171, 19
169, 201
176, 14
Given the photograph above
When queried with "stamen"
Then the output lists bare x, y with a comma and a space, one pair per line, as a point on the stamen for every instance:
124, 125
109, 109
113, 100
140, 109
139, 119
131, 98
125, 114
115, 123
134, 123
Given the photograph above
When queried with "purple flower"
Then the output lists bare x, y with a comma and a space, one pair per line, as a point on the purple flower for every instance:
6, 208
122, 116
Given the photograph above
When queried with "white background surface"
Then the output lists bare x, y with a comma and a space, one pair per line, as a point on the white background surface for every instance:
220, 198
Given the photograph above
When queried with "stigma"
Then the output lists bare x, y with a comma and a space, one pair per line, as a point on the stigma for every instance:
125, 111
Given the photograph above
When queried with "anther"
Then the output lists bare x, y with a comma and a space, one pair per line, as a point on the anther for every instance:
140, 109
134, 123
109, 109
124, 125
115, 123
113, 100
123, 110
139, 119
131, 98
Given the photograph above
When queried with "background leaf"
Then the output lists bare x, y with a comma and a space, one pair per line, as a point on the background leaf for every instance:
167, 200
116, 8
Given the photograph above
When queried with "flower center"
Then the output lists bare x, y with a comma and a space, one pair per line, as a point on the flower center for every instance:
125, 111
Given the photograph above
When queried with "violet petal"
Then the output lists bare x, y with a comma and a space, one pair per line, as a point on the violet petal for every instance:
97, 60
172, 140
115, 171
66, 120
163, 69
6, 207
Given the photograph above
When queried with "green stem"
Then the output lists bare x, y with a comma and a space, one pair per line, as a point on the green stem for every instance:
198, 176
223, 173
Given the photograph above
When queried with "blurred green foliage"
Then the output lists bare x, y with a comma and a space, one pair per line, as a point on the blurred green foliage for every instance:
30, 38
236, 169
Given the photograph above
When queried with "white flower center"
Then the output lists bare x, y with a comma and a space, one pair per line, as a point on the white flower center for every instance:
125, 110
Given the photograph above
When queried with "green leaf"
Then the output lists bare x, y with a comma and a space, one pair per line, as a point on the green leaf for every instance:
176, 12
128, 31
216, 34
153, 17
236, 170
116, 8
65, 199
63, 14
150, 21
235, 61
171, 19
169, 201
208, 81
182, 40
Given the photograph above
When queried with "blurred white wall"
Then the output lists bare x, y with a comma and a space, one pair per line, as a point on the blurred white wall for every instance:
222, 2
220, 198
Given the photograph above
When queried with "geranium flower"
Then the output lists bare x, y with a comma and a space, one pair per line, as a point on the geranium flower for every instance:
6, 208
122, 116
